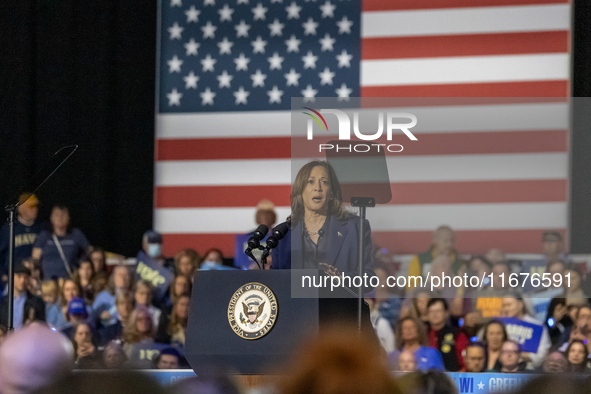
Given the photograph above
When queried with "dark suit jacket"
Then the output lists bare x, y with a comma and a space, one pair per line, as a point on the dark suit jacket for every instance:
342, 251
31, 302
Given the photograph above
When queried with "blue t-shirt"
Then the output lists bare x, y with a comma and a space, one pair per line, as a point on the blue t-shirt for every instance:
24, 239
74, 244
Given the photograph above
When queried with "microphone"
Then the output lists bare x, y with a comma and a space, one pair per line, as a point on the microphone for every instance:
260, 232
278, 234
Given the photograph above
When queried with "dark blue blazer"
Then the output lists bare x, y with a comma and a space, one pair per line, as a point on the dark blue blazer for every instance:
342, 248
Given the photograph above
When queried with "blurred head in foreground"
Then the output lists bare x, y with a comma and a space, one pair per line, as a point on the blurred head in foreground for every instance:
32, 358
426, 382
111, 382
341, 361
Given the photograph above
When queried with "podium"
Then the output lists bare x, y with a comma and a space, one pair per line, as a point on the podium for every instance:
215, 340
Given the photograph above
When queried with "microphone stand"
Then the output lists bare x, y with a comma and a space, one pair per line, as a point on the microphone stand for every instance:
34, 184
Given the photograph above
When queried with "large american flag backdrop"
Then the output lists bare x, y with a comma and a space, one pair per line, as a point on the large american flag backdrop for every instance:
228, 70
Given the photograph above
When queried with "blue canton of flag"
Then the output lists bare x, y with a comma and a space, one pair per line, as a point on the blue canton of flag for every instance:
255, 55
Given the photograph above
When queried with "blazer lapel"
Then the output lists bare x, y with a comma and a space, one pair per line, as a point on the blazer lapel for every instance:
336, 236
297, 255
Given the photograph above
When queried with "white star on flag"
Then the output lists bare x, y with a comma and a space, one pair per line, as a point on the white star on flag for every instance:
276, 28
344, 25
293, 11
343, 92
208, 63
309, 93
175, 31
327, 43
225, 46
226, 13
224, 79
258, 46
309, 60
328, 10
344, 59
241, 96
292, 77
259, 12
175, 64
192, 47
258, 79
326, 77
207, 97
275, 62
178, 3
310, 27
275, 95
174, 98
293, 44
242, 29
208, 30
191, 81
241, 62
209, 2
192, 14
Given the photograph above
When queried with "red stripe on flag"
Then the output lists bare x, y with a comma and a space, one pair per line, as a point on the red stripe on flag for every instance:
558, 88
389, 5
397, 242
464, 45
402, 193
223, 148
427, 144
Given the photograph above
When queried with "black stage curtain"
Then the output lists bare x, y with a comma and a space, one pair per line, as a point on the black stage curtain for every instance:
82, 72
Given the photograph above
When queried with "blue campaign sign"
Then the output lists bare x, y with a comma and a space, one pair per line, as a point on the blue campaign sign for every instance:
484, 383
528, 335
152, 271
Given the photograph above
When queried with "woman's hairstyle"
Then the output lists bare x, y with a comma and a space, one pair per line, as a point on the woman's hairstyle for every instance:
209, 251
75, 330
103, 258
77, 275
146, 285
490, 323
130, 332
50, 287
570, 345
177, 323
62, 207
421, 332
414, 309
191, 254
111, 284
63, 301
171, 290
335, 202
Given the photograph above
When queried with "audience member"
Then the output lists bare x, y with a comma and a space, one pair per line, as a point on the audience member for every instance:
77, 313
60, 248
407, 362
577, 356
475, 358
341, 362
494, 335
427, 382
168, 358
101, 271
143, 296
558, 320
186, 262
50, 292
26, 229
555, 362
515, 307
86, 355
411, 336
103, 306
111, 382
154, 267
580, 330
214, 260
113, 356
553, 248
495, 256
172, 327
381, 326
449, 341
124, 305
510, 358
32, 358
84, 277
26, 306
57, 316
138, 335
34, 285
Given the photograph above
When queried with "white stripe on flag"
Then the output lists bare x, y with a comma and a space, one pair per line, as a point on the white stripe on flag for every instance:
472, 20
382, 218
541, 67
402, 169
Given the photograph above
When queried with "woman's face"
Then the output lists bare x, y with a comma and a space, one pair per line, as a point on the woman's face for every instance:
59, 218
409, 331
181, 285
142, 295
185, 266
576, 354
97, 261
182, 307
85, 270
316, 192
121, 278
143, 323
214, 256
82, 334
494, 336
422, 304
70, 290
511, 307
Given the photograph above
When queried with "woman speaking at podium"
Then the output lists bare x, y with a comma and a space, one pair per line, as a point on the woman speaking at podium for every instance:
322, 233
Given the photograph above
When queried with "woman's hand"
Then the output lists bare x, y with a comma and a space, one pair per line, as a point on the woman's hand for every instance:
85, 349
329, 269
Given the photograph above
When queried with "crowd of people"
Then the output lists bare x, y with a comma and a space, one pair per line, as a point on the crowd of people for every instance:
122, 315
